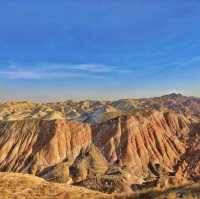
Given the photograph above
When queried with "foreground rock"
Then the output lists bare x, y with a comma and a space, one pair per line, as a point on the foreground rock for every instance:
23, 186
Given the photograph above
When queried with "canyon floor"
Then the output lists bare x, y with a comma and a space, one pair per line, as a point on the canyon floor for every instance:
129, 148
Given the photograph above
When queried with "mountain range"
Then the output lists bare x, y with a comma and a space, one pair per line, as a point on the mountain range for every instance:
108, 147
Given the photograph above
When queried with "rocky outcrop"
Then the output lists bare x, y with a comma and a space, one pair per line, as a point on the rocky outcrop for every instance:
33, 145
90, 162
109, 149
189, 167
143, 144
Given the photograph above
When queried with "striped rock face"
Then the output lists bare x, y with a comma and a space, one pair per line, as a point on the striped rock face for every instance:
110, 147
32, 145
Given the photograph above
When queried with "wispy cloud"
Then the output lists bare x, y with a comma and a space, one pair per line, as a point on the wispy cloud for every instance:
90, 68
55, 71
94, 68
192, 61
185, 69
34, 75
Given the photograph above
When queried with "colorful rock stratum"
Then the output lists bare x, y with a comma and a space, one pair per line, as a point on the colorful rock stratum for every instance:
102, 149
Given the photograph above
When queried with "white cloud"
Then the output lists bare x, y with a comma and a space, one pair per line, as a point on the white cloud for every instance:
34, 75
55, 71
94, 68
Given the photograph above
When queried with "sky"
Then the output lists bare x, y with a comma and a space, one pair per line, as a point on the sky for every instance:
98, 49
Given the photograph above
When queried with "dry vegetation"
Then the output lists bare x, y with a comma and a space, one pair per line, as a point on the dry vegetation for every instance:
23, 186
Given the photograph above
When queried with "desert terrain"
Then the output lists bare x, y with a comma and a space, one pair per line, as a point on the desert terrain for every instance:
128, 148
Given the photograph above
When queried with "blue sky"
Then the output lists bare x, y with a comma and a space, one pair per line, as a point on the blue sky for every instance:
98, 49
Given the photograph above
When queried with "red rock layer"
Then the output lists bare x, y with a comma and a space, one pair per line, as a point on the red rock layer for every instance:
31, 145
141, 142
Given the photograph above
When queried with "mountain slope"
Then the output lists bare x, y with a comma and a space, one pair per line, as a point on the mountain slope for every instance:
106, 146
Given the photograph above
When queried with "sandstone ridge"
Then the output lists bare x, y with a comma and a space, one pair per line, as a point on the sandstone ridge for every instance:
117, 146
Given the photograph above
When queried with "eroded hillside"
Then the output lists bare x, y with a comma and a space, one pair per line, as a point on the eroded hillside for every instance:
118, 146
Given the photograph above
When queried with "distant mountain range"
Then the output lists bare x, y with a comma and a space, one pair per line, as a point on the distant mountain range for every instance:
98, 111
